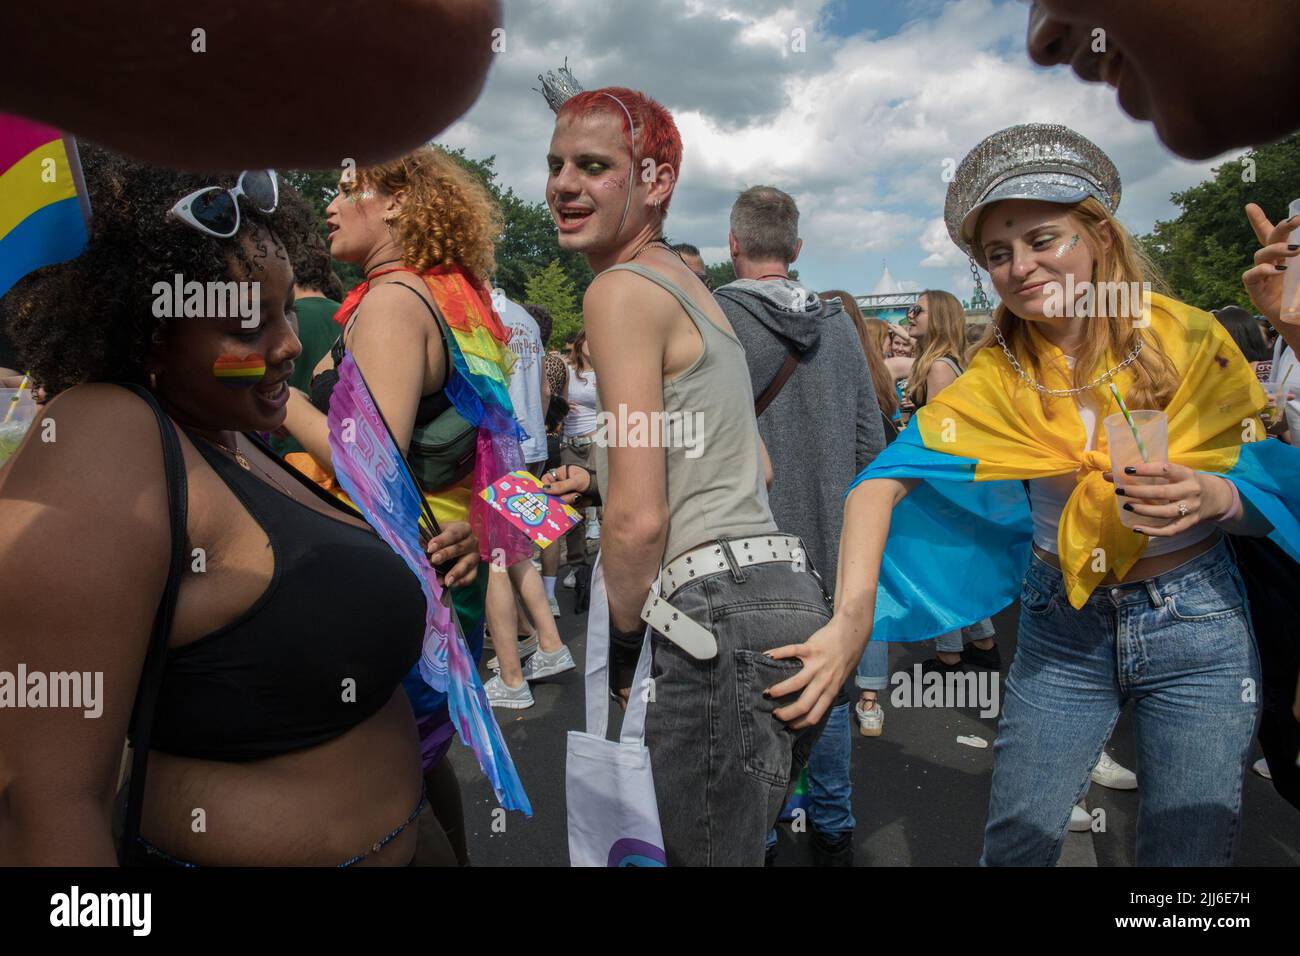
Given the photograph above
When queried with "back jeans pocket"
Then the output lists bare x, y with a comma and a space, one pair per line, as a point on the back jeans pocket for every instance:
766, 742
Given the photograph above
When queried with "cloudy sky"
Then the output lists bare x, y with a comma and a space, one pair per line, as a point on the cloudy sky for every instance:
857, 126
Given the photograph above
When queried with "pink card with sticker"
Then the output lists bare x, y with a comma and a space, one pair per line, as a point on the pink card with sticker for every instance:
518, 497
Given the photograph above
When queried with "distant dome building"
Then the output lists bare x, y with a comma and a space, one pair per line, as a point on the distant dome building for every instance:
890, 302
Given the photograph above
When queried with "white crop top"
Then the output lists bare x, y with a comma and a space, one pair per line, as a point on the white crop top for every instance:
1047, 497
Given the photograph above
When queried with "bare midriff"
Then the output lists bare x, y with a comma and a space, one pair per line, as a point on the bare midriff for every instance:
314, 807
1146, 567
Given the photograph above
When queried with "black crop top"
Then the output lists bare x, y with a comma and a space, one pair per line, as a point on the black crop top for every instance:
340, 606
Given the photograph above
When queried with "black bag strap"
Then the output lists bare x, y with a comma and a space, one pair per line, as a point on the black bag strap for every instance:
778, 383
146, 697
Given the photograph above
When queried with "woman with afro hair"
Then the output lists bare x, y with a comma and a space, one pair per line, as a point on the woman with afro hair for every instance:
280, 708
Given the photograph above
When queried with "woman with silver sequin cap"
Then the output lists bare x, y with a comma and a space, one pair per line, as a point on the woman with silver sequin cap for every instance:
1002, 487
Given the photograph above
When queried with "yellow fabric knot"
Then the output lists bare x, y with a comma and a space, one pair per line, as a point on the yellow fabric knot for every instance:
1090, 539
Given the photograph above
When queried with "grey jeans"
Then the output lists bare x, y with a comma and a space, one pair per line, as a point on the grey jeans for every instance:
723, 764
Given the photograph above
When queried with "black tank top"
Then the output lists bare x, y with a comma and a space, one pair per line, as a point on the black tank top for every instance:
321, 650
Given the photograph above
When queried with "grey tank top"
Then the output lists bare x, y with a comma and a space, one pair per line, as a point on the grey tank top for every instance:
710, 438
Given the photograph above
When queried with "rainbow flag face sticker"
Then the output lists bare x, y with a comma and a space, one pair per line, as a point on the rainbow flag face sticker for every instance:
234, 371
44, 212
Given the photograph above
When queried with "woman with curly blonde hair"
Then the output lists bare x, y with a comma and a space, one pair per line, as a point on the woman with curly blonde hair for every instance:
425, 336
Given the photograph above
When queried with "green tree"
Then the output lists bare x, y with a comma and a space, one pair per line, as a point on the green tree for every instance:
1203, 252
552, 288
721, 273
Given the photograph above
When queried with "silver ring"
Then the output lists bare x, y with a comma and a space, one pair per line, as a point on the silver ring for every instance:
1182, 509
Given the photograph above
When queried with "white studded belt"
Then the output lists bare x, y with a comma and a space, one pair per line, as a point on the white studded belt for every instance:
701, 562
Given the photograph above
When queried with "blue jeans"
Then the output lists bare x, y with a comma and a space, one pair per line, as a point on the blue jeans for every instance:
873, 667
954, 641
830, 794
1180, 647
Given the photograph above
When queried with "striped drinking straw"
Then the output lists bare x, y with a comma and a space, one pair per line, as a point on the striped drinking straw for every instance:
17, 396
1142, 449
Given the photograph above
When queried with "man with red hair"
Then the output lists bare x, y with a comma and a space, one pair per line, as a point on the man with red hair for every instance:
737, 695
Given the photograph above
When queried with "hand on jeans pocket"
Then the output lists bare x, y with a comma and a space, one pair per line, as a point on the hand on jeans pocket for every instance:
828, 657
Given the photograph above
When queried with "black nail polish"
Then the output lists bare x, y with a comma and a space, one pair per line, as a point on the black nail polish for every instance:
1130, 470
1280, 268
1138, 531
1293, 248
1128, 506
1119, 491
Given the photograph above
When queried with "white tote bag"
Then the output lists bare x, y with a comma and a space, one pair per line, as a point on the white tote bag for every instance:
610, 791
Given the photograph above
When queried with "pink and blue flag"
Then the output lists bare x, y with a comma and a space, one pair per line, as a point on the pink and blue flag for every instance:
370, 469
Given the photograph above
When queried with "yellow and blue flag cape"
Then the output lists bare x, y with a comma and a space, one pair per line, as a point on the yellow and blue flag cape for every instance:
959, 543
44, 212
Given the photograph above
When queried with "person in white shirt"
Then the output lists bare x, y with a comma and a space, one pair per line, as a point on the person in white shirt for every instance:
546, 653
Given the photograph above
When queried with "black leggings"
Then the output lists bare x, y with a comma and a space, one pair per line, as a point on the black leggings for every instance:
440, 834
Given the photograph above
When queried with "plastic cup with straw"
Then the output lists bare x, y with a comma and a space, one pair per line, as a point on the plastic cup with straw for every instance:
17, 397
1277, 399
1128, 417
1135, 436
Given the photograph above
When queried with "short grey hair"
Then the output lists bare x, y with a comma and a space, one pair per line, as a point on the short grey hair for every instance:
765, 222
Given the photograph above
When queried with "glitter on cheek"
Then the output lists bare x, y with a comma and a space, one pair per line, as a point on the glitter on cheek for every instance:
1067, 246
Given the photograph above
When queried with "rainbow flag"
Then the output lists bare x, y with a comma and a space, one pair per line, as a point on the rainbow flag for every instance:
959, 543
234, 371
44, 211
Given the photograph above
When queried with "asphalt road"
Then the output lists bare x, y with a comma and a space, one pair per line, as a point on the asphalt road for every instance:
919, 796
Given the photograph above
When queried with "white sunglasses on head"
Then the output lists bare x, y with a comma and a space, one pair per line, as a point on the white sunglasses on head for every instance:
214, 210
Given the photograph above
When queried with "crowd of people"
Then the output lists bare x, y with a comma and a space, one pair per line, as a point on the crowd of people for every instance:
827, 484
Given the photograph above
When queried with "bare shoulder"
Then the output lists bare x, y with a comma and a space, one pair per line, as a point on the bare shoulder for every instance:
91, 440
394, 312
88, 482
618, 295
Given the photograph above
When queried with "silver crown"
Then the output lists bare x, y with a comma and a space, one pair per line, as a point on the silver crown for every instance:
558, 86
1035, 161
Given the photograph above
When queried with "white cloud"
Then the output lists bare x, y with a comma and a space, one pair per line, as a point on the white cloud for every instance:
857, 129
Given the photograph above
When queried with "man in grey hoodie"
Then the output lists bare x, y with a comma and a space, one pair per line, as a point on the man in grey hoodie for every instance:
822, 428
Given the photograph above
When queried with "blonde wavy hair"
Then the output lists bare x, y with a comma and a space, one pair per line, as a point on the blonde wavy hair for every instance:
946, 336
447, 216
1154, 377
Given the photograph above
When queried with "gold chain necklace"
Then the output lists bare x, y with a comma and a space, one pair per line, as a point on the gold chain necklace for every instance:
244, 463
233, 452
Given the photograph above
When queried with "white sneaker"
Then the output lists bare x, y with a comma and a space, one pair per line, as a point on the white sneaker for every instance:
1080, 819
526, 647
1260, 767
570, 579
555, 607
543, 664
593, 526
871, 723
1110, 774
501, 694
